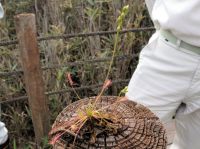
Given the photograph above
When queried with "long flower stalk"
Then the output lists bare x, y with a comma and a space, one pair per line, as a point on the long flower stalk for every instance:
120, 20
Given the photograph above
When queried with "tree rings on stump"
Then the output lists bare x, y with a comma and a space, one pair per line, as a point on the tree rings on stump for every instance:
139, 129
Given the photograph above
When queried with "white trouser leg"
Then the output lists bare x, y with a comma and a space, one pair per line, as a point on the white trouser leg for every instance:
188, 131
165, 77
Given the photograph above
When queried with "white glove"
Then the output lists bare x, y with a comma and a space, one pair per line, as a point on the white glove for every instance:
1, 11
3, 133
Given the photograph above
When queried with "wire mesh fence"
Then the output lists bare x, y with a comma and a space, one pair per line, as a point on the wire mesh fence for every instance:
16, 73
67, 36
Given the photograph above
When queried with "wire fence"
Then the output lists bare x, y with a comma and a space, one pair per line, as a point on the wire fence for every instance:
50, 93
77, 63
67, 36
68, 64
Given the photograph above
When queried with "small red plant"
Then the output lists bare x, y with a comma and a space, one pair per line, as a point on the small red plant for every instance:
91, 114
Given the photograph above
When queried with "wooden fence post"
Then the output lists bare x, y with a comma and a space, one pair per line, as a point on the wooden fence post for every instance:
29, 53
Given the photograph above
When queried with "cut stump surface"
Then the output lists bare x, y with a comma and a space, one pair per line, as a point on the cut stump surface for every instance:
141, 129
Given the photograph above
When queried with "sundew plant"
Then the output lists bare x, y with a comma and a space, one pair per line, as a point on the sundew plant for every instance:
92, 114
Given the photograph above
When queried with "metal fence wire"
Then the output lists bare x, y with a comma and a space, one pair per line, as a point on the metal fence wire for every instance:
77, 63
68, 36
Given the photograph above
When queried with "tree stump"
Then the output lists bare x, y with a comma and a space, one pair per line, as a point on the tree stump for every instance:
140, 128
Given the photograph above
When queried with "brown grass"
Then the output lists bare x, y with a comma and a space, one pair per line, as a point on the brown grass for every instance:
66, 16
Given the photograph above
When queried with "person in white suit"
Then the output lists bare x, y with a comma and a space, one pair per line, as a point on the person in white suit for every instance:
3, 130
167, 77
1, 11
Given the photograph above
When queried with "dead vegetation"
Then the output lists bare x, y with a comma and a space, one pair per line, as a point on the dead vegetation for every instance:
67, 16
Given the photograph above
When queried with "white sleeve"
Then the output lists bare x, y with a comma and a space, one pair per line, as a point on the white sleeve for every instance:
3, 133
150, 4
1, 11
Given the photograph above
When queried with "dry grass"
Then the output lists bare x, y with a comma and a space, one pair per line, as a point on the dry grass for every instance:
67, 16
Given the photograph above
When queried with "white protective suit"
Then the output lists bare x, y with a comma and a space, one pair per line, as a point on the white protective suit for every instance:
167, 78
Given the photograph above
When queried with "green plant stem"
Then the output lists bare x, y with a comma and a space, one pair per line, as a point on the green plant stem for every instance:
113, 55
110, 66
75, 93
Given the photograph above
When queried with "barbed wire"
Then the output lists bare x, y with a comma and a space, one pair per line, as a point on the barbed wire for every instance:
67, 36
77, 63
50, 93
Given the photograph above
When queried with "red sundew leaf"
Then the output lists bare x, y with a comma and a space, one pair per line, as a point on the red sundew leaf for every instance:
123, 99
74, 128
55, 138
64, 125
69, 78
107, 84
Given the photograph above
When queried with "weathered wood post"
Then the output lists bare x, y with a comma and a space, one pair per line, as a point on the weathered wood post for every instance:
29, 53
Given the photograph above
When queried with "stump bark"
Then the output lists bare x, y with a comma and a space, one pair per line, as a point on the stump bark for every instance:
141, 129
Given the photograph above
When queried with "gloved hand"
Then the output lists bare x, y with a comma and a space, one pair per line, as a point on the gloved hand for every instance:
4, 141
